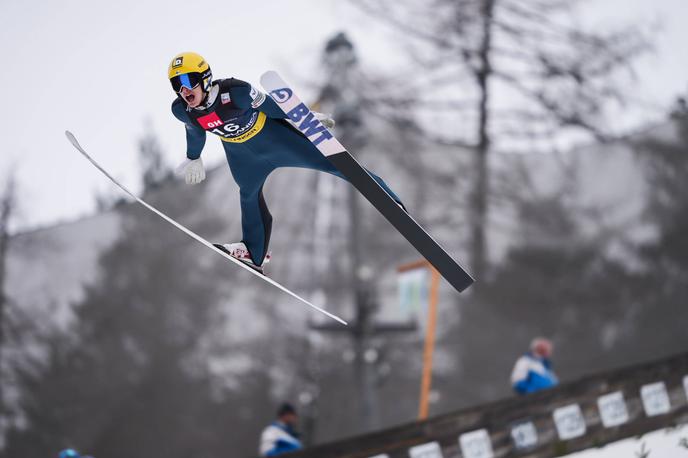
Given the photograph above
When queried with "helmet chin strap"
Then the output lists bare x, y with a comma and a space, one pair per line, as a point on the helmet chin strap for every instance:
208, 98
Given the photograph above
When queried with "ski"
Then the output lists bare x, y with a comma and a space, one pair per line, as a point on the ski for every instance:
195, 236
302, 118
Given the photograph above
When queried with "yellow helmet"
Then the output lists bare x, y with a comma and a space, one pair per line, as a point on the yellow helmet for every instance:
189, 69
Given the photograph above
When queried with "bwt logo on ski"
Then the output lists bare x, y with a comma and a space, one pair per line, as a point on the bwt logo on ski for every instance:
308, 124
281, 95
210, 121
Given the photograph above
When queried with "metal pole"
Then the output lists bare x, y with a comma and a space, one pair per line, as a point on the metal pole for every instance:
426, 381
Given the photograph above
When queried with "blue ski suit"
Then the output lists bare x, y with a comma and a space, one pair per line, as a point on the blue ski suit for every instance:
257, 139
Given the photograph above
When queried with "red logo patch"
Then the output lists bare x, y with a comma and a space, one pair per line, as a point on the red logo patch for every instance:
210, 121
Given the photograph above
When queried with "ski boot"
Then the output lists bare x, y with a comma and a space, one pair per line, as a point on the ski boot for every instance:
239, 251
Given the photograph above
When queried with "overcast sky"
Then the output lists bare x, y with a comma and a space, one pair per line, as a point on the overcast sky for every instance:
99, 69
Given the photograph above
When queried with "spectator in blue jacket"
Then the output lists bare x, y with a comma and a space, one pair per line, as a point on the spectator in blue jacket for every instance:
281, 436
71, 453
533, 371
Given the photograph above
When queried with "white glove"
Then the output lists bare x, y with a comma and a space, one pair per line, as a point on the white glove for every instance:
325, 119
193, 171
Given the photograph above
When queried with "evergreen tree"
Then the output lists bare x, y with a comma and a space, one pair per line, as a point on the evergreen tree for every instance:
661, 322
130, 379
559, 284
151, 159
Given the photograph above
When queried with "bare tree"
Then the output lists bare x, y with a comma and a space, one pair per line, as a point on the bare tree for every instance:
505, 75
7, 208
151, 158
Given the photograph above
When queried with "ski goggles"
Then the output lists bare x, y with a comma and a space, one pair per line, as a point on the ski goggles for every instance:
187, 80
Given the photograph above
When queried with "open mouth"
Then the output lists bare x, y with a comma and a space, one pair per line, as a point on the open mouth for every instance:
190, 98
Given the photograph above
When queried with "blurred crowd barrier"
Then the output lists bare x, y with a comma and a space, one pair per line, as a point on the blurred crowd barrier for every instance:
589, 412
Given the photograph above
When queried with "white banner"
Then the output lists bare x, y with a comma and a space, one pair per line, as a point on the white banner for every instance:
524, 435
476, 444
655, 399
429, 450
569, 422
613, 409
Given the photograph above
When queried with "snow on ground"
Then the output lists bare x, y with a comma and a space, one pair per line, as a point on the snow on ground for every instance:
663, 443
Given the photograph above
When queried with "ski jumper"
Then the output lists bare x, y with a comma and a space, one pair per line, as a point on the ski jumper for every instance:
257, 139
